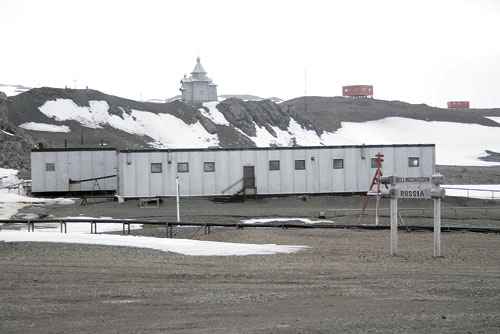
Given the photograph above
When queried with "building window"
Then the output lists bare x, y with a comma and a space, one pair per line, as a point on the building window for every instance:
374, 162
209, 167
182, 167
300, 164
338, 163
413, 162
274, 165
50, 167
156, 167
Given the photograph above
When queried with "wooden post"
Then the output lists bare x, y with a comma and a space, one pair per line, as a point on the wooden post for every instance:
394, 225
437, 227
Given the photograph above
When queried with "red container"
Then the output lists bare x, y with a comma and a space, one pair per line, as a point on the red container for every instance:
458, 105
358, 91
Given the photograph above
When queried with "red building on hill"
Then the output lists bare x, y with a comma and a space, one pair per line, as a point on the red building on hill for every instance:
357, 91
458, 105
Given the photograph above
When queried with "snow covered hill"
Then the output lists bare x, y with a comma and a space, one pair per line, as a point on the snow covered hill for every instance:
57, 116
12, 90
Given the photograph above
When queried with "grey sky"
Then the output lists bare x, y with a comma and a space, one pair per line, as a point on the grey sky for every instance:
418, 51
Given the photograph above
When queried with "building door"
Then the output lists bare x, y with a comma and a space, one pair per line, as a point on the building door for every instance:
248, 177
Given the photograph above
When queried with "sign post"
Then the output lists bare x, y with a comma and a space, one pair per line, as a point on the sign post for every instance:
394, 225
415, 188
437, 193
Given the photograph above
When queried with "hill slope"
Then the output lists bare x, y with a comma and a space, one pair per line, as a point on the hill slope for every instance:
58, 117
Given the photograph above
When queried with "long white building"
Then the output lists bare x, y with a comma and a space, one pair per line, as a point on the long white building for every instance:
266, 171
226, 171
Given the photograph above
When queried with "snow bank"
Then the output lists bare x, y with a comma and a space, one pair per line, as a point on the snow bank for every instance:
295, 131
93, 116
12, 90
272, 220
180, 246
44, 127
11, 200
165, 129
453, 140
456, 143
170, 131
495, 119
7, 173
13, 197
213, 113
482, 191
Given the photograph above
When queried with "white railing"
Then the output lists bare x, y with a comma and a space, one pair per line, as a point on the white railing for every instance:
481, 193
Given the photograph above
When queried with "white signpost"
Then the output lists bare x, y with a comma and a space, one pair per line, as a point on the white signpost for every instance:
415, 188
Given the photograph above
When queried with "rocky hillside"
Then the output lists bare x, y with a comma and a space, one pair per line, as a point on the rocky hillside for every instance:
59, 117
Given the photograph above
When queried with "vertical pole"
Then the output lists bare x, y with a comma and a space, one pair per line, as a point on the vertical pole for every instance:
437, 227
376, 209
177, 199
394, 225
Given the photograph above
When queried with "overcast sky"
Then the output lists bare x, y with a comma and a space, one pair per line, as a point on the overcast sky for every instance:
421, 51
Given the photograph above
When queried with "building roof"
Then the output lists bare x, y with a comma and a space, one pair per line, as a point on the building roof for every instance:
204, 149
278, 148
198, 74
198, 68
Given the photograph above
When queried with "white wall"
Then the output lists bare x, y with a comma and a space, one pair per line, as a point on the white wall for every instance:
319, 176
75, 165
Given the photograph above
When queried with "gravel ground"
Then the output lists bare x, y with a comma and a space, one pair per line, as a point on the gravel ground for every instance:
344, 283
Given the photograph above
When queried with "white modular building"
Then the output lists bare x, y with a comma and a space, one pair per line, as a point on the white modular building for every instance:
266, 171
73, 170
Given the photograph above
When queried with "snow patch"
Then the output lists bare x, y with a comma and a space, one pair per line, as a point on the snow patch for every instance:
272, 220
7, 133
495, 119
166, 130
12, 200
12, 90
12, 196
180, 246
453, 140
169, 131
44, 127
93, 116
213, 113
295, 132
482, 191
456, 143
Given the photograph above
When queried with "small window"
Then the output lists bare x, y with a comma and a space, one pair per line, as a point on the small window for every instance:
209, 167
182, 167
338, 163
156, 167
374, 162
300, 164
413, 162
274, 165
50, 167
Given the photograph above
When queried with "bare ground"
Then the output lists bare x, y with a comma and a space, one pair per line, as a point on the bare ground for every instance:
344, 283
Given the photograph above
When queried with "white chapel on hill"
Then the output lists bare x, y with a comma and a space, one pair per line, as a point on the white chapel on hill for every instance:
198, 88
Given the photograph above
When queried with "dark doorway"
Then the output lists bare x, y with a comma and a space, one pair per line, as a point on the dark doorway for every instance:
248, 177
